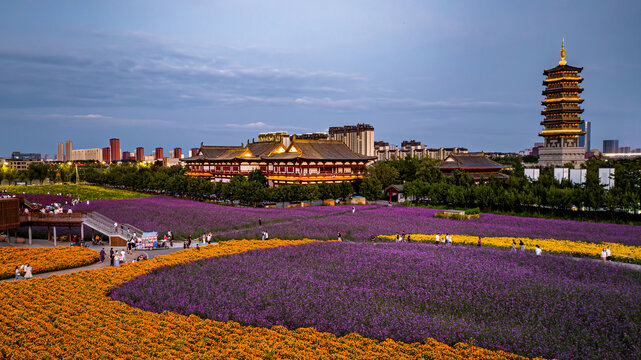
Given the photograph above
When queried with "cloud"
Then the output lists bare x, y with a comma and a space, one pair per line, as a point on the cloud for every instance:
91, 116
258, 124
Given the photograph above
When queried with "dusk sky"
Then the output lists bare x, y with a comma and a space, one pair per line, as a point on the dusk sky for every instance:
178, 73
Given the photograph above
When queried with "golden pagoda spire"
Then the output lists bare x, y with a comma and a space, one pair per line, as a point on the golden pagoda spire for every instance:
562, 62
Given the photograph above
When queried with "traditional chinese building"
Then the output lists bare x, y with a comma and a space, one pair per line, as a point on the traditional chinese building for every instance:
562, 122
476, 165
305, 161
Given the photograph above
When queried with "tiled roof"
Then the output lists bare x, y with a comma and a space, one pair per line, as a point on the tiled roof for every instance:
327, 150
470, 161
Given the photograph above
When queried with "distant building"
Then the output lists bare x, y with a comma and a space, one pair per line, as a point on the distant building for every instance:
194, 151
610, 146
60, 155
178, 153
158, 153
126, 155
114, 146
624, 149
68, 151
359, 138
87, 155
312, 136
584, 140
140, 154
106, 155
18, 156
562, 124
412, 148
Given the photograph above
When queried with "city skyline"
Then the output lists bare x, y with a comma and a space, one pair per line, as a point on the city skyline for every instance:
180, 73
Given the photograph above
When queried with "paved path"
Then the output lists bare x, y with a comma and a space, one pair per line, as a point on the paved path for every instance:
150, 254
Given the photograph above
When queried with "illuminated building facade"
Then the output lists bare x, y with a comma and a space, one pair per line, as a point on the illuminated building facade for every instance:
303, 161
114, 145
562, 122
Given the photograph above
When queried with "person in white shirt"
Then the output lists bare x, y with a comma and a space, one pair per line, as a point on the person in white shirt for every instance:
538, 251
608, 254
69, 211
438, 239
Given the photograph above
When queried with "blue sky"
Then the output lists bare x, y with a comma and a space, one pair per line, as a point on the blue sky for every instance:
175, 73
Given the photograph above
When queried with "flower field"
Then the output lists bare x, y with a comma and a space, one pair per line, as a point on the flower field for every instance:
44, 259
324, 222
45, 199
624, 253
85, 192
532, 306
71, 316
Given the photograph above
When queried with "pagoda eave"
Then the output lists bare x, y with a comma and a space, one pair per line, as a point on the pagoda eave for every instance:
565, 78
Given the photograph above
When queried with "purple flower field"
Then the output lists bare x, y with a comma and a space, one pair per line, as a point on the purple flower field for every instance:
550, 306
44, 199
324, 222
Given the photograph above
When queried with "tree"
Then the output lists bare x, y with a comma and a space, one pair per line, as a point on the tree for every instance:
371, 188
385, 173
257, 176
429, 172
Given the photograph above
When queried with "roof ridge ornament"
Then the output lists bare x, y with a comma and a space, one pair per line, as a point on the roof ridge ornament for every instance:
562, 62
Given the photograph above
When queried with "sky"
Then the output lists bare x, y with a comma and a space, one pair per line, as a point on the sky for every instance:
178, 73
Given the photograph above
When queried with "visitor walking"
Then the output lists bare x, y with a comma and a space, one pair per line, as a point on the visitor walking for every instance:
608, 254
171, 238
522, 245
340, 236
260, 221
479, 242
27, 272
513, 245
18, 274
604, 255
111, 256
116, 260
353, 209
115, 227
438, 239
538, 251
102, 255
189, 241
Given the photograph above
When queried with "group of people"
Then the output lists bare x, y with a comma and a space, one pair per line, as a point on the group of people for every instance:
606, 254
445, 239
264, 235
206, 238
23, 269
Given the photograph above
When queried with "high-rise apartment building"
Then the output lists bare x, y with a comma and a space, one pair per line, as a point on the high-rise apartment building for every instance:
60, 155
69, 151
140, 154
87, 154
359, 138
178, 153
114, 145
106, 155
584, 140
158, 153
610, 146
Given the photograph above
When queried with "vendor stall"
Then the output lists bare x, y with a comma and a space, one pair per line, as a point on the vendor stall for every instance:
148, 240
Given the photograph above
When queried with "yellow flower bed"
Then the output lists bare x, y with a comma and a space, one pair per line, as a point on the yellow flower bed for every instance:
71, 316
619, 252
44, 259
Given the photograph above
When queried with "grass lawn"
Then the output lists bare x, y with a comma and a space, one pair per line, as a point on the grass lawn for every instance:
85, 192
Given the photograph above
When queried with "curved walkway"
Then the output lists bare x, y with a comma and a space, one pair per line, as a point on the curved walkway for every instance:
98, 265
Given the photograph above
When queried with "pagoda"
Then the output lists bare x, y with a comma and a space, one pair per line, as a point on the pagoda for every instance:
562, 122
